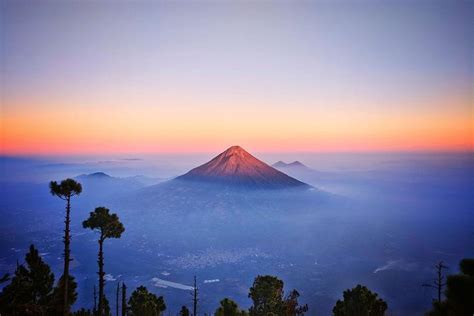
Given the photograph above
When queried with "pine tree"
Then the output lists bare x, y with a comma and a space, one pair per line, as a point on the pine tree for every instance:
267, 296
65, 190
184, 311
438, 283
459, 293
108, 226
360, 301
30, 289
229, 308
144, 303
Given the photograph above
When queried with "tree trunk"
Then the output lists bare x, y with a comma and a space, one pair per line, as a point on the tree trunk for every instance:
117, 300
101, 276
95, 302
67, 256
124, 299
195, 298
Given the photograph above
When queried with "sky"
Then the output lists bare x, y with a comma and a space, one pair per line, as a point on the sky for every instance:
101, 77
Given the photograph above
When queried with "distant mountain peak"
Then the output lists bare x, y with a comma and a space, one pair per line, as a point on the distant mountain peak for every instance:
95, 175
99, 174
296, 163
235, 166
282, 164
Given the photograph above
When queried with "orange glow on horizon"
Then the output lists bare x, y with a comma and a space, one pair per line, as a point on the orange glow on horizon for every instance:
52, 129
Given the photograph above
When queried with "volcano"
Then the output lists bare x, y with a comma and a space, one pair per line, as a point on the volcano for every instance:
236, 167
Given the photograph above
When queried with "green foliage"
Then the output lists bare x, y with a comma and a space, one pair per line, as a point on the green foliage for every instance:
108, 225
360, 301
267, 296
459, 293
184, 311
229, 308
65, 189
144, 303
57, 303
30, 289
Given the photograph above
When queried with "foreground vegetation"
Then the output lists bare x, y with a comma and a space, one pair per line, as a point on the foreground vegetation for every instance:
31, 290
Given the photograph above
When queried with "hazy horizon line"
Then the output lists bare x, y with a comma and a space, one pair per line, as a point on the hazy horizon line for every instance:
137, 155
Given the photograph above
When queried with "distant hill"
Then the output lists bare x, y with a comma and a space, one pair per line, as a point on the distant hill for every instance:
102, 177
100, 187
95, 175
236, 167
295, 164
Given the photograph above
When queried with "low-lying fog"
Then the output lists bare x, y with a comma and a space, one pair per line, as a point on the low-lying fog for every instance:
382, 220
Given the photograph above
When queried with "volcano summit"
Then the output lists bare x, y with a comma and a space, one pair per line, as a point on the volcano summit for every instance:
236, 167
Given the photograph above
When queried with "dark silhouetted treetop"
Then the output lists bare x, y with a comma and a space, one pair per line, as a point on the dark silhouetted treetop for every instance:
108, 225
360, 301
144, 303
229, 308
184, 311
66, 189
267, 296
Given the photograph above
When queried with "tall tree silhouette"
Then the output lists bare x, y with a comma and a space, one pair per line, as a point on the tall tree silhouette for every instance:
438, 283
108, 226
65, 190
195, 297
117, 299
124, 299
459, 293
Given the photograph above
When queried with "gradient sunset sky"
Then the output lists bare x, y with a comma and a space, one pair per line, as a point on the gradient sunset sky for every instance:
100, 77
